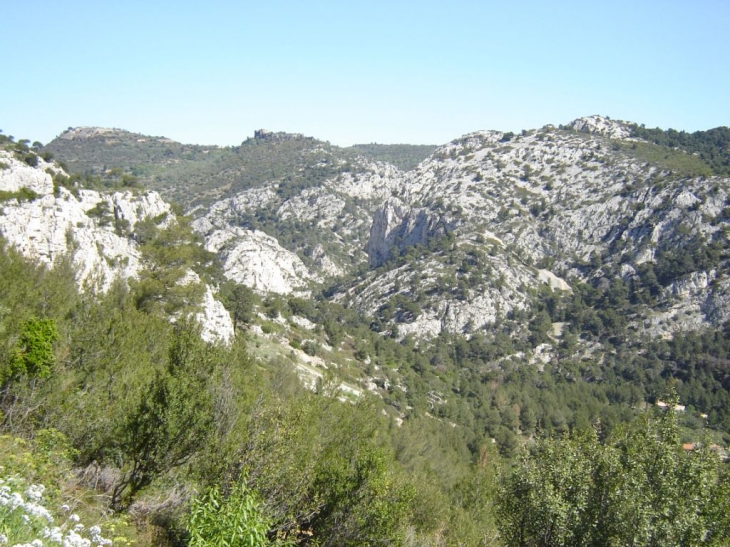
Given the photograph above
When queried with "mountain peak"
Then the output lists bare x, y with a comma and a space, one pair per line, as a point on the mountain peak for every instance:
91, 132
601, 125
266, 135
73, 133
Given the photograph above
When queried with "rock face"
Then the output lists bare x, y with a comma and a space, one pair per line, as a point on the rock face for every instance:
89, 225
396, 227
93, 228
601, 126
256, 260
545, 207
328, 226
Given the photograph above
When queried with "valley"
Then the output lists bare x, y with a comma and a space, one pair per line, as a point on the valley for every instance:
378, 343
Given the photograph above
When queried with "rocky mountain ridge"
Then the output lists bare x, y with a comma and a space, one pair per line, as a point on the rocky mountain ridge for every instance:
513, 210
472, 234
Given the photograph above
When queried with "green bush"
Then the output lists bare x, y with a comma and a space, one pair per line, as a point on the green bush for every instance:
33, 354
639, 487
24, 194
31, 159
234, 520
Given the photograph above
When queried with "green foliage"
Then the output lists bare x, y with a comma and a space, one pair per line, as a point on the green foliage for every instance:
102, 212
31, 159
173, 417
239, 300
711, 146
235, 520
24, 194
33, 355
169, 254
319, 471
39, 472
403, 156
301, 307
638, 487
364, 504
695, 254
679, 162
198, 175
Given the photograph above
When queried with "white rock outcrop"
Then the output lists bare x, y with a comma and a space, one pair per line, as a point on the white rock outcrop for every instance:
396, 226
341, 209
90, 227
256, 260
547, 206
602, 126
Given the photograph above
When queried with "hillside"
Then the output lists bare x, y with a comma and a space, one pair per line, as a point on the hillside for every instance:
100, 234
403, 156
566, 203
419, 353
579, 242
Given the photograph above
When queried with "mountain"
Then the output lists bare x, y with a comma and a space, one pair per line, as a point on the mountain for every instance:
576, 249
499, 341
563, 206
582, 203
195, 175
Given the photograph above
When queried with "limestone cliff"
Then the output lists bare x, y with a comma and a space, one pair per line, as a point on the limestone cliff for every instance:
93, 228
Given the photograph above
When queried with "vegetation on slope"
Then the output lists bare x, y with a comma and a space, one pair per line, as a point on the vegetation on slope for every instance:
192, 436
711, 146
196, 176
404, 156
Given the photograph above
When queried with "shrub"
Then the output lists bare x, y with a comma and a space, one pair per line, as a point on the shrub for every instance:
227, 521
31, 159
24, 194
33, 354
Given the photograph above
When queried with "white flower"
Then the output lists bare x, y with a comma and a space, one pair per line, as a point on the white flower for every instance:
95, 533
36, 543
65, 508
35, 492
37, 510
16, 500
74, 518
72, 539
54, 534
3, 539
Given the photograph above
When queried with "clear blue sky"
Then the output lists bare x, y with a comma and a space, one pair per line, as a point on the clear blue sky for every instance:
351, 71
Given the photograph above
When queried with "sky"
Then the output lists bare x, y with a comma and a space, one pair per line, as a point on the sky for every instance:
352, 71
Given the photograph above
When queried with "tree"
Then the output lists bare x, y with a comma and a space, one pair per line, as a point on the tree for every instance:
363, 502
638, 488
239, 301
169, 254
174, 416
